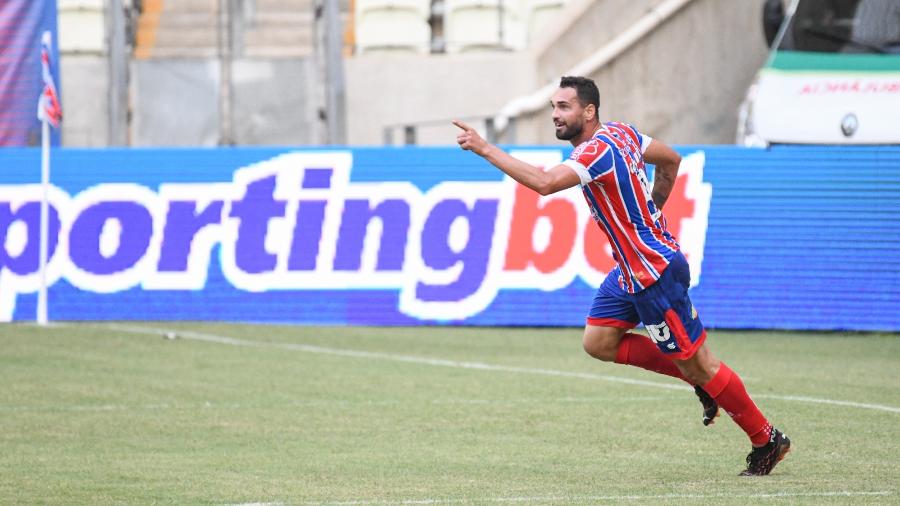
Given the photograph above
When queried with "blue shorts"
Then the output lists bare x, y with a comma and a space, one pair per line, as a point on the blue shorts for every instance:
664, 307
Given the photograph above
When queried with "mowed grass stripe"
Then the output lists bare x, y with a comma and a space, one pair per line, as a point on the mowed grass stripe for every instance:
197, 336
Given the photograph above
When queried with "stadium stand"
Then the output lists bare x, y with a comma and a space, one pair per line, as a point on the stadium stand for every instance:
392, 26
189, 28
82, 26
280, 28
184, 28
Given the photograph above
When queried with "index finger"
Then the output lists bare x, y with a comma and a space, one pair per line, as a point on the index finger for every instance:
462, 125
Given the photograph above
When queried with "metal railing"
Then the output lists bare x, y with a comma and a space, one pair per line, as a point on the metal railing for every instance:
410, 129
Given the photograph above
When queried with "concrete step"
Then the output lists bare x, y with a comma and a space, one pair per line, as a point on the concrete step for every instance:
304, 18
276, 38
183, 52
250, 52
278, 52
174, 37
197, 37
188, 28
190, 6
181, 21
283, 5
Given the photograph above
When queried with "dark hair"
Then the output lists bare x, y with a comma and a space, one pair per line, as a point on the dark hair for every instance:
585, 88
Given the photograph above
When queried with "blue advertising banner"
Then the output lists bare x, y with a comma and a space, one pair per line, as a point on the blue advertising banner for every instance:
22, 22
786, 238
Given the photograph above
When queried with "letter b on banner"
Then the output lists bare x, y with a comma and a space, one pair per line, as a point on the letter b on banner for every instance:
528, 211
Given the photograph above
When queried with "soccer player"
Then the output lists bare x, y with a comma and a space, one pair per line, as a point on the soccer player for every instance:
650, 282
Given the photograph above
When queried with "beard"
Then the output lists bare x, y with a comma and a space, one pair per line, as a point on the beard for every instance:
569, 132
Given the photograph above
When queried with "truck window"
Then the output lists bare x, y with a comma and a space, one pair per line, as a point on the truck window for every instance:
844, 26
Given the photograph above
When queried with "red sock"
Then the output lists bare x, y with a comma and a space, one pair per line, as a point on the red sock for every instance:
728, 390
639, 351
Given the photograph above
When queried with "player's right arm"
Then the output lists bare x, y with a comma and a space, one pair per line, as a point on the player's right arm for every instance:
544, 182
667, 161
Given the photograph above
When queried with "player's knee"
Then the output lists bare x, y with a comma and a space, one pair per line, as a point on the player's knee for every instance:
599, 346
696, 376
701, 367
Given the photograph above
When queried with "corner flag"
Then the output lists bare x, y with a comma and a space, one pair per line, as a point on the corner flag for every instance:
50, 113
49, 106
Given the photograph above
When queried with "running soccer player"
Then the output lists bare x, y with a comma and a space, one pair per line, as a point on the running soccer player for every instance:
650, 282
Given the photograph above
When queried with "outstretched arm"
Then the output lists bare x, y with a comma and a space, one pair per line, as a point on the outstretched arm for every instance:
667, 162
544, 182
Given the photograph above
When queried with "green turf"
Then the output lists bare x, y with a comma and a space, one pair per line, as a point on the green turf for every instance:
90, 414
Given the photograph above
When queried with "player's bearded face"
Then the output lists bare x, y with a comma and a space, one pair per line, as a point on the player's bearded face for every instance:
568, 115
569, 129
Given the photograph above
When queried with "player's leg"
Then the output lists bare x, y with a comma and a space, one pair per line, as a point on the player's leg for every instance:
606, 335
678, 331
725, 386
615, 344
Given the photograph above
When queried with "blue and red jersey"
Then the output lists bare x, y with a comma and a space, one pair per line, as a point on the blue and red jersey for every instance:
615, 185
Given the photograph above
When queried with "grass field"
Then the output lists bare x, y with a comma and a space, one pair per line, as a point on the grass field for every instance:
233, 414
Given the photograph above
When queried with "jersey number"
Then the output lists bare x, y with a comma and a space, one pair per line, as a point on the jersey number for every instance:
659, 333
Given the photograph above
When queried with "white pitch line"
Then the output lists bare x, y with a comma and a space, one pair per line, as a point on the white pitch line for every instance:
91, 408
322, 350
593, 498
343, 352
832, 402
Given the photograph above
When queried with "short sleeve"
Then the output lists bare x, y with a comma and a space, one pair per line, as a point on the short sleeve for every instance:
645, 139
645, 142
579, 169
588, 159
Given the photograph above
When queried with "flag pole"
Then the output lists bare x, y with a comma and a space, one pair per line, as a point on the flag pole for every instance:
45, 183
50, 113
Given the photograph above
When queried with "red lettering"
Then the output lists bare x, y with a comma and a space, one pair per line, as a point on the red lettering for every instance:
597, 250
520, 252
678, 206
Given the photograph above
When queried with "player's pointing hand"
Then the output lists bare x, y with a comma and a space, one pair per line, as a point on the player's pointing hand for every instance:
469, 139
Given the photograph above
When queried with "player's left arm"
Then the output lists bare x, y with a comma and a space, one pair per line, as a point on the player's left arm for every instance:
667, 161
544, 182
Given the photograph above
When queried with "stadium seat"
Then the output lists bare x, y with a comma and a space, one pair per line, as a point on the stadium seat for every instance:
392, 25
475, 25
82, 26
540, 14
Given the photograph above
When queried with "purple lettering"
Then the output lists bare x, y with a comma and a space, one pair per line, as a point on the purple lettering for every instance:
84, 238
394, 216
438, 254
182, 224
254, 212
27, 261
307, 235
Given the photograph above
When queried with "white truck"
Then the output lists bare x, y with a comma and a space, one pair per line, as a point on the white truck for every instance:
832, 75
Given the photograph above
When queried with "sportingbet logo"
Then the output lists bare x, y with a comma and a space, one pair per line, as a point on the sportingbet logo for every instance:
296, 222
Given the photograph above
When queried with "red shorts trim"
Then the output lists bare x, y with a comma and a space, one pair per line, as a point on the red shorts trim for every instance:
689, 352
681, 337
610, 322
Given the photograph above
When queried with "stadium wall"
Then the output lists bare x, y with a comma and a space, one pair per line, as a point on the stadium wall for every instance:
784, 238
684, 82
